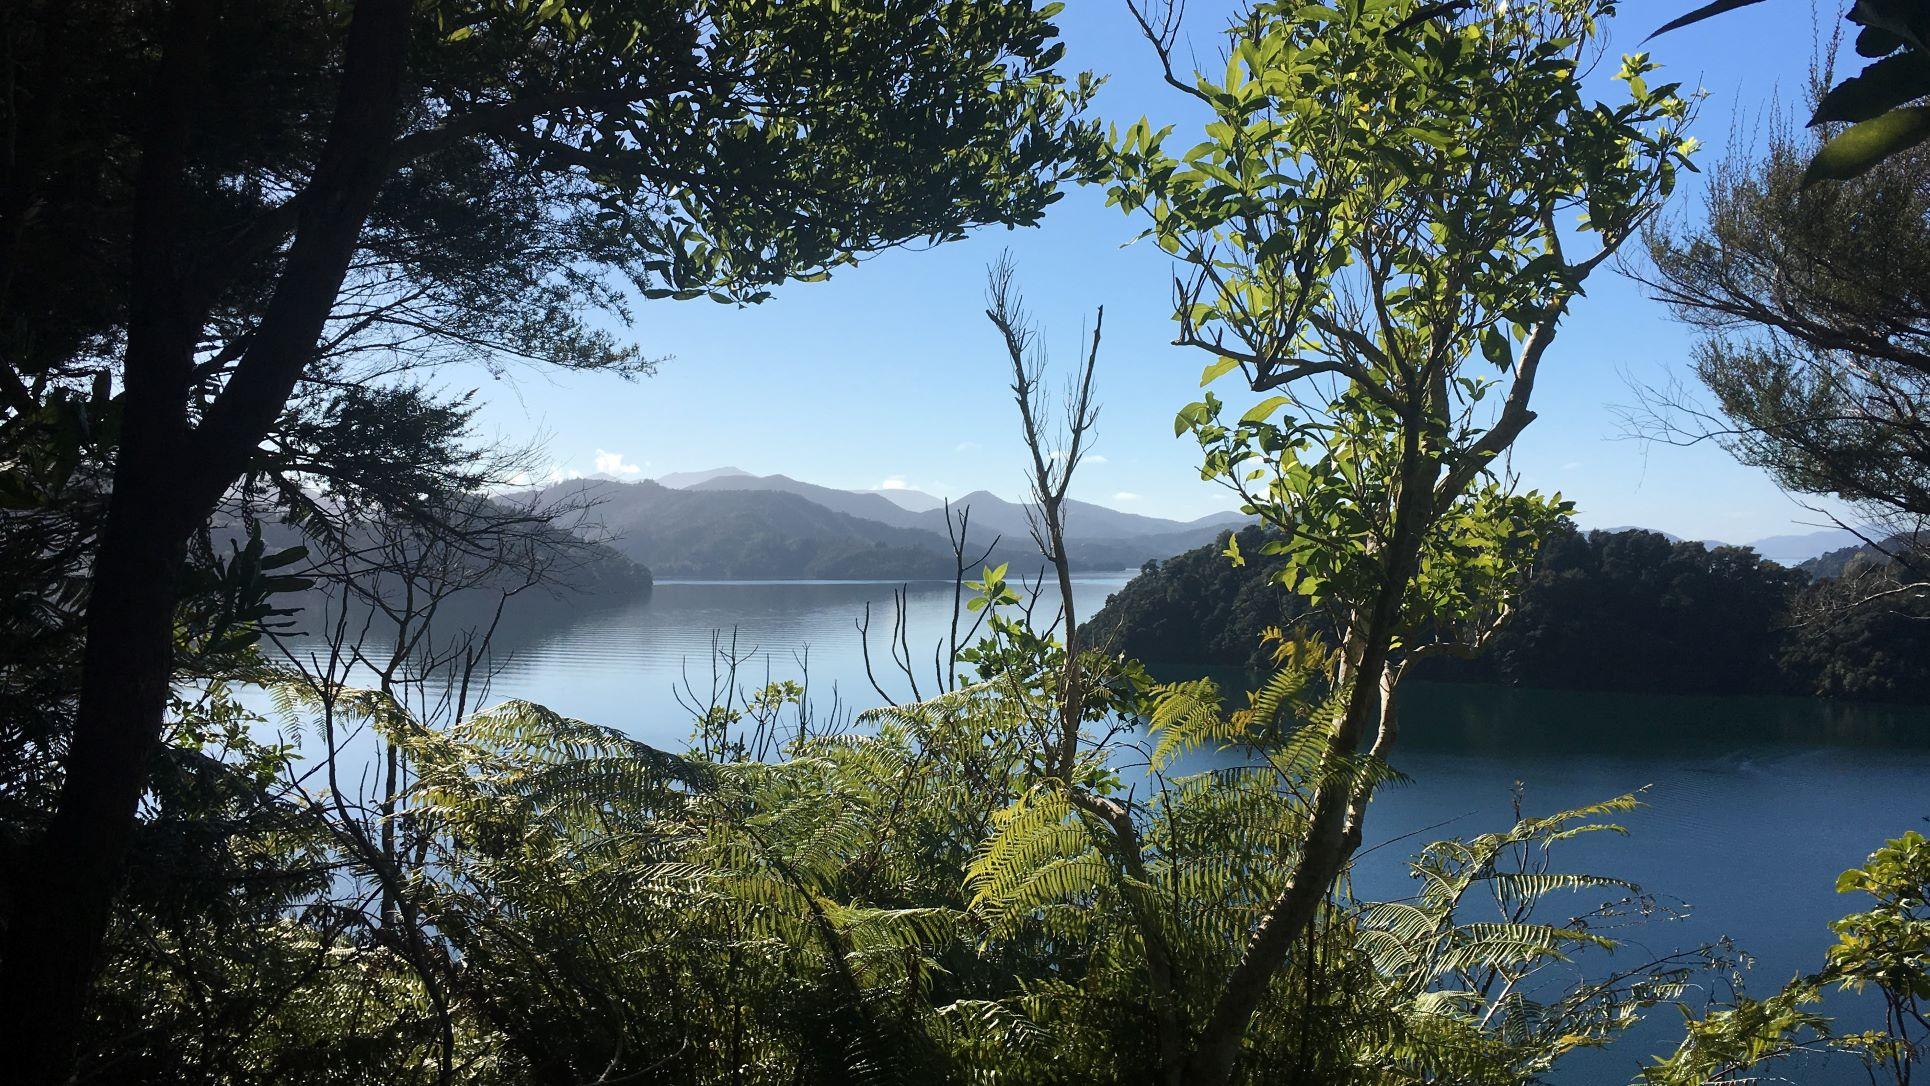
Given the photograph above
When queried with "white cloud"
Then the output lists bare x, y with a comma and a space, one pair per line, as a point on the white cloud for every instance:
1087, 458
896, 482
966, 447
558, 474
609, 463
1571, 465
1095, 458
1125, 496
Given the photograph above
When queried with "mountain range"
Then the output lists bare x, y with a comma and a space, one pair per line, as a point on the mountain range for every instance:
729, 524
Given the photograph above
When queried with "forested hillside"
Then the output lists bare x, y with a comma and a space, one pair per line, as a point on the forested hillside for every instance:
545, 571
748, 527
1629, 610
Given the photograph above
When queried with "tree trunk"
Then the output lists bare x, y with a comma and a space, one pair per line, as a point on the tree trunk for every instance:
1334, 825
58, 916
167, 480
60, 908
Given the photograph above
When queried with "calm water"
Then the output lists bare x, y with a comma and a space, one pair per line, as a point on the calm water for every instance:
1753, 805
625, 666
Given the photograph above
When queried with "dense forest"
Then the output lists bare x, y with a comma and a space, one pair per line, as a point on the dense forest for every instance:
1628, 610
246, 247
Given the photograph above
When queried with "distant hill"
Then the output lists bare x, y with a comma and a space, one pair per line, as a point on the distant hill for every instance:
677, 480
905, 498
1084, 521
857, 503
1862, 555
748, 534
1837, 562
737, 526
1797, 549
585, 574
1790, 550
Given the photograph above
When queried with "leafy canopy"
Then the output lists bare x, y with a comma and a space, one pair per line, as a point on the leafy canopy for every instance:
1377, 229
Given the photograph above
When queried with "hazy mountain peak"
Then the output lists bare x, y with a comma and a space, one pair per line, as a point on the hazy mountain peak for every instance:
981, 497
678, 480
1795, 549
733, 524
915, 501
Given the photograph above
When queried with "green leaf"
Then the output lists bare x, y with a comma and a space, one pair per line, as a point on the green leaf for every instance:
1218, 370
1494, 346
1863, 146
1260, 412
1874, 41
286, 557
1882, 86
1903, 18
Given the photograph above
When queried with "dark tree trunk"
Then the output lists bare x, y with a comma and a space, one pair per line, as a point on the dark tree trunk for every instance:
58, 915
167, 481
60, 909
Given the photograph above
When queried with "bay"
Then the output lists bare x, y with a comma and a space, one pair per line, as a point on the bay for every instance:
1752, 806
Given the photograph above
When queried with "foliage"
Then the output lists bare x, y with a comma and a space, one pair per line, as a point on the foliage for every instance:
1373, 225
1874, 104
1199, 608
1885, 949
1627, 611
1372, 214
1860, 634
1054, 871
540, 899
924, 901
1634, 611
230, 271
1811, 309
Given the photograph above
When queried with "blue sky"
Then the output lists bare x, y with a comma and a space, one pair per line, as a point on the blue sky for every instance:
889, 372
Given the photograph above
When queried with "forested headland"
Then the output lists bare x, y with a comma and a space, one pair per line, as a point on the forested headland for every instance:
1629, 610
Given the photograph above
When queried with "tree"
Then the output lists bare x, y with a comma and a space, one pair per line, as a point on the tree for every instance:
1850, 636
1199, 608
1376, 209
1814, 317
1636, 611
281, 200
1627, 611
